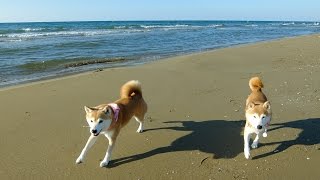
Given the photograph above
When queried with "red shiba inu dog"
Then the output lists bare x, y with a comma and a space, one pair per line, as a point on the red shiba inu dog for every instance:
108, 119
258, 115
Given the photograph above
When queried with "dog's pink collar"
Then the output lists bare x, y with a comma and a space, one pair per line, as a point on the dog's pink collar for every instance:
116, 110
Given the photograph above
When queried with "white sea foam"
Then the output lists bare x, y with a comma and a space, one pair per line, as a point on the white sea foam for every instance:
288, 24
32, 29
215, 25
164, 26
33, 35
251, 25
60, 33
119, 27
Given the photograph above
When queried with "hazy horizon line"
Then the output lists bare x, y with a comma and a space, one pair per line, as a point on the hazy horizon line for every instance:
62, 21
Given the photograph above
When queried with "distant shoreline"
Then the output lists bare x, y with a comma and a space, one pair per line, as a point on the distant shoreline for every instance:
35, 51
70, 75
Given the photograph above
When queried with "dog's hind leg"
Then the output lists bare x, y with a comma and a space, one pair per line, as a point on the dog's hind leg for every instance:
92, 139
255, 142
140, 121
112, 138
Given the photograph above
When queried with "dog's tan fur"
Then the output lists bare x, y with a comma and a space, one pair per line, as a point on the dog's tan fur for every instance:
256, 96
131, 103
258, 114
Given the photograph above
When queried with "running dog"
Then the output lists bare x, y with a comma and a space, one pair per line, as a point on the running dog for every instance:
258, 115
108, 119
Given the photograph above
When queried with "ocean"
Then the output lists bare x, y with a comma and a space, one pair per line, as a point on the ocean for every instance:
40, 50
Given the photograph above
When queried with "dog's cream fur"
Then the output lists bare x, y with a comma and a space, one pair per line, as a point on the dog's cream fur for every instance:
258, 115
102, 121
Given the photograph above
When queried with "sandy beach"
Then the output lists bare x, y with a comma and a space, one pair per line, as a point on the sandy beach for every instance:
193, 126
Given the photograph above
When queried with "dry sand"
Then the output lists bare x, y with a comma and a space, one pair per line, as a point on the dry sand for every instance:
194, 124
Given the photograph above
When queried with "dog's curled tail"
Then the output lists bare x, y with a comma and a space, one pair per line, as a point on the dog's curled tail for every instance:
131, 88
255, 84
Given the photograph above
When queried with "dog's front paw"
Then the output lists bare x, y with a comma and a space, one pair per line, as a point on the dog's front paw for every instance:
140, 128
104, 163
265, 134
79, 160
254, 145
247, 153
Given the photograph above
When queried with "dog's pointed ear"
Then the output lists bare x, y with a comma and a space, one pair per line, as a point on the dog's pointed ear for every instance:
267, 105
87, 109
107, 110
251, 105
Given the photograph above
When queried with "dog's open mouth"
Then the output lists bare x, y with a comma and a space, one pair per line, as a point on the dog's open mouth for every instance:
96, 134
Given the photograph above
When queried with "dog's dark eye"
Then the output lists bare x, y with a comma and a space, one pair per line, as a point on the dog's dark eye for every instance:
263, 117
100, 121
254, 117
91, 121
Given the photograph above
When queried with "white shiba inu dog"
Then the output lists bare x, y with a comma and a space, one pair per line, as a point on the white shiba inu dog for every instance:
258, 115
108, 119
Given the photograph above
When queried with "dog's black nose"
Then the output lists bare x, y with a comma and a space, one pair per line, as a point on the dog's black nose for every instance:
259, 127
94, 131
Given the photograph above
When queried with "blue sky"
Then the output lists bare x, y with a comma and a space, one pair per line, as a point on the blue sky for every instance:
83, 10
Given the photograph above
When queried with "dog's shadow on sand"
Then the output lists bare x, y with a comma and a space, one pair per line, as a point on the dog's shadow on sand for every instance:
309, 135
223, 138
220, 138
